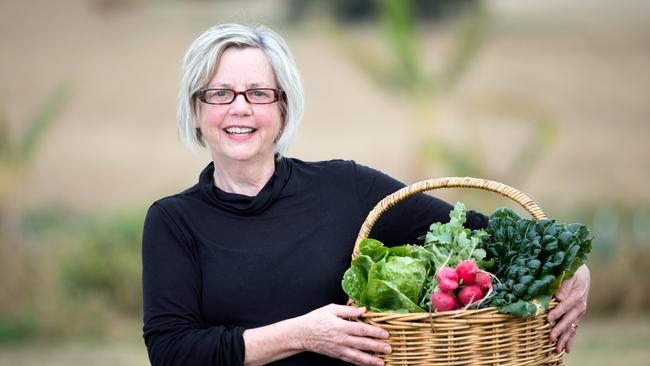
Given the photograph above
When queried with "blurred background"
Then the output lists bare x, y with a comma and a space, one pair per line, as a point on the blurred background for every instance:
551, 97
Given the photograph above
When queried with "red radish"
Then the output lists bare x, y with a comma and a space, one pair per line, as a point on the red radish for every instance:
483, 282
447, 279
443, 301
467, 271
469, 294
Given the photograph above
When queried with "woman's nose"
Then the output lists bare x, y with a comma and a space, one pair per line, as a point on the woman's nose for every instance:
240, 105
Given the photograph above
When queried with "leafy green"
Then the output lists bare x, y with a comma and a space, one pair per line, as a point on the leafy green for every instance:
388, 279
531, 259
451, 243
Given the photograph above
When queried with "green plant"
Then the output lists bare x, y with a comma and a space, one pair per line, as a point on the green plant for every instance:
104, 261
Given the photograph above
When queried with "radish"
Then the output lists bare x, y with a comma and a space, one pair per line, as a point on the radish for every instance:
469, 294
467, 271
442, 301
483, 282
447, 279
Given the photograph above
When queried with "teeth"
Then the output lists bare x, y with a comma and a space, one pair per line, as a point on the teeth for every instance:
239, 130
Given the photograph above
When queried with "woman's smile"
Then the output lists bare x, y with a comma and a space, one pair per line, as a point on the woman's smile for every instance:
239, 133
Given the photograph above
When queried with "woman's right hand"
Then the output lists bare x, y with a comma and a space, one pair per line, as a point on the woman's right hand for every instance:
327, 331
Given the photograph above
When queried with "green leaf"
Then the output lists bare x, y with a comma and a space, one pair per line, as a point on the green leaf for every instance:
401, 251
457, 215
478, 255
523, 308
373, 248
539, 287
354, 284
406, 274
383, 296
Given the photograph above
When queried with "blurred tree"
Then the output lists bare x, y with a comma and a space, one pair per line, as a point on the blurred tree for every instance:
403, 71
16, 155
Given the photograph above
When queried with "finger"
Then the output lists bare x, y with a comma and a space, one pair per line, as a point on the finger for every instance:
367, 344
564, 325
366, 330
564, 339
345, 311
564, 306
569, 343
357, 357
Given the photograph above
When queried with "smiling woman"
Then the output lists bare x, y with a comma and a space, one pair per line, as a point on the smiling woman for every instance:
245, 266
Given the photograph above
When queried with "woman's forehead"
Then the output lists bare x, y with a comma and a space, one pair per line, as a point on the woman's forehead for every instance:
249, 65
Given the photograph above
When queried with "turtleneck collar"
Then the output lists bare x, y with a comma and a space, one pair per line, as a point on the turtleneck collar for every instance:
241, 204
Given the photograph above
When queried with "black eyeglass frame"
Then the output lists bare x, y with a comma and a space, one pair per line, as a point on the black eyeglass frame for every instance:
277, 93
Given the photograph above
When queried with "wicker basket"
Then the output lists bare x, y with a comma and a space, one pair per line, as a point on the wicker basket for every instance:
462, 337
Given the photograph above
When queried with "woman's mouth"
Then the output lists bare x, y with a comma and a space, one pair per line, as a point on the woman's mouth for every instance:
239, 131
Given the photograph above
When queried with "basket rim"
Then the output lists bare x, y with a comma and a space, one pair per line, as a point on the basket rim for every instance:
438, 183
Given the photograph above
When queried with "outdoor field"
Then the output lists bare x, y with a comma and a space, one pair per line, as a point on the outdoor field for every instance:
551, 97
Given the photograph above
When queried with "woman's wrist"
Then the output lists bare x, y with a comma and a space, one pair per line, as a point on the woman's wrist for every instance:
273, 342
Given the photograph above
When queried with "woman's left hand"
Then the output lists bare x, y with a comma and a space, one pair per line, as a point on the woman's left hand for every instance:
572, 295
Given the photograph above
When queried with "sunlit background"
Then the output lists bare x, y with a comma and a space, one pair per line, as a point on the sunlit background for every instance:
551, 97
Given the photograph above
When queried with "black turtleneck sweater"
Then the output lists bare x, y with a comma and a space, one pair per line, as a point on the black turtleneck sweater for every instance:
217, 263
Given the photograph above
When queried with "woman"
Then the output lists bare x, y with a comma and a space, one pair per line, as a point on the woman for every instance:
245, 267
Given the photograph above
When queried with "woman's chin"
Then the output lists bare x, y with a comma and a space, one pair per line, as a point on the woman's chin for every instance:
244, 155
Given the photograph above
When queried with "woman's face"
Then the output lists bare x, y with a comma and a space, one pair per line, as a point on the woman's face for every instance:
241, 131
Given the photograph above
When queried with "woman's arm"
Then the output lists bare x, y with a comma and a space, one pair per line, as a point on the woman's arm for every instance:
174, 329
324, 330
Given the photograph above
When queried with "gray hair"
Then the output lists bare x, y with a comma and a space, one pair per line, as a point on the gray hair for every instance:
200, 63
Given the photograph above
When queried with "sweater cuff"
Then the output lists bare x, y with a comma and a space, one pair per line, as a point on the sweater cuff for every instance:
235, 343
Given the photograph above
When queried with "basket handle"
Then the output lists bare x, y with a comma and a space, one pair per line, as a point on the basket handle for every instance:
437, 183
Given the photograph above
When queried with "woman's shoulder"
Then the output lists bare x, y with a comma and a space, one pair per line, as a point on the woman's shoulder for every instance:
329, 166
337, 171
178, 200
322, 164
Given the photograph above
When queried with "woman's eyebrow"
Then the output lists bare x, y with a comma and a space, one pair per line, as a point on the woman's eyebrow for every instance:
248, 86
258, 85
220, 85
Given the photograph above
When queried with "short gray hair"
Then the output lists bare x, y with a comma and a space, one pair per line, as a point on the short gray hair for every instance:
199, 66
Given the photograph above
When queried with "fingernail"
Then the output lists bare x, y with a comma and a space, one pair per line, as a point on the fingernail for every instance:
387, 349
385, 334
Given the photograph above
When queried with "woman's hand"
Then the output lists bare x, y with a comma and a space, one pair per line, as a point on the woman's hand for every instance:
328, 332
572, 295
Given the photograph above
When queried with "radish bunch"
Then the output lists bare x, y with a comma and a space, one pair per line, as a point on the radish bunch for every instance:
459, 287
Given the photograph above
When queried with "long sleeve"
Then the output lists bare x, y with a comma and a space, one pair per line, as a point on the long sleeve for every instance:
409, 219
174, 330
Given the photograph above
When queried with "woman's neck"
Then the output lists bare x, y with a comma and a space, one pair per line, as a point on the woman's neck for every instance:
246, 178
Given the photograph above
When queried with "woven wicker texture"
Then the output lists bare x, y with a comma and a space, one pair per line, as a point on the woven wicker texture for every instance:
462, 337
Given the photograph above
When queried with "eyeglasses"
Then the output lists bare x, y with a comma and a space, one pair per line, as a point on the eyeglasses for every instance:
227, 96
